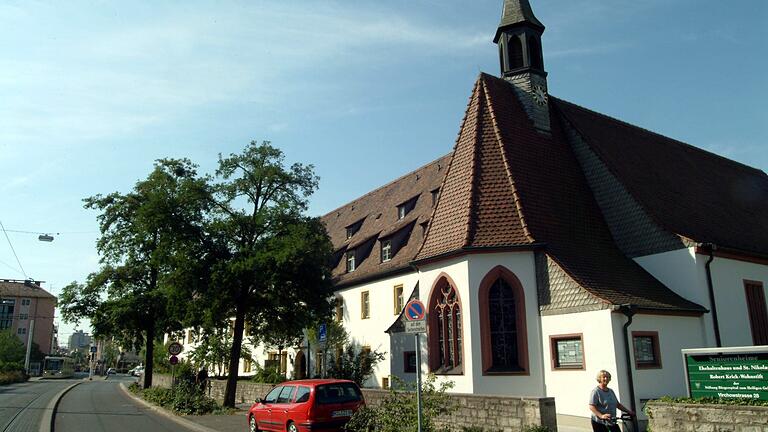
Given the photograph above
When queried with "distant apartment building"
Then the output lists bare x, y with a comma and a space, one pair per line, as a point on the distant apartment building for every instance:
79, 339
26, 308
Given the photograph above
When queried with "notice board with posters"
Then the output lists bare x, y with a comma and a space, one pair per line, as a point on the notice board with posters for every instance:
727, 373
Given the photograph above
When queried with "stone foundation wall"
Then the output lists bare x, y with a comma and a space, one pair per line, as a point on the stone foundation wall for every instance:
494, 413
665, 416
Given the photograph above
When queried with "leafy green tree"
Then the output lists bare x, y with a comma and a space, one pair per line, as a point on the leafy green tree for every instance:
110, 354
144, 237
11, 348
214, 350
273, 272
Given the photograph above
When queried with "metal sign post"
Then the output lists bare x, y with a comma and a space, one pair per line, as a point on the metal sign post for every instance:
416, 323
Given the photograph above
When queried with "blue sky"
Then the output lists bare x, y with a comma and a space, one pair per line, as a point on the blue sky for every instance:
91, 93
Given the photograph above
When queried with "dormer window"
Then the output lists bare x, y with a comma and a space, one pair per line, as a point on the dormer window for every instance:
406, 207
354, 228
386, 250
350, 261
435, 196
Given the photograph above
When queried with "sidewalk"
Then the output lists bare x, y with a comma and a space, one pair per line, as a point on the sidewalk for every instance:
235, 422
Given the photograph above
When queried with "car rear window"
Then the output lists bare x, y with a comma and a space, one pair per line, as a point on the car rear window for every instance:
337, 393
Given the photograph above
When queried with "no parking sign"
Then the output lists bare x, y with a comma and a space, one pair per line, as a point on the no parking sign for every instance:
415, 317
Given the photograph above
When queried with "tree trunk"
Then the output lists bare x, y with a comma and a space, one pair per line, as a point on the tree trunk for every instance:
149, 356
234, 356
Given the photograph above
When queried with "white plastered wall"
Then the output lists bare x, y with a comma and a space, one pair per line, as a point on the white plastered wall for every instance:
684, 272
522, 264
371, 331
571, 388
728, 278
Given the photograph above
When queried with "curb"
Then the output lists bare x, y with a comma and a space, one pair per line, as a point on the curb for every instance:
165, 413
49, 414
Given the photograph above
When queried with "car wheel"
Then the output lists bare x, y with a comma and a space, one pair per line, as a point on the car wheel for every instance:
252, 427
292, 427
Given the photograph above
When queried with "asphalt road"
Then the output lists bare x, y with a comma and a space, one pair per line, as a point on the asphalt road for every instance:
100, 406
22, 405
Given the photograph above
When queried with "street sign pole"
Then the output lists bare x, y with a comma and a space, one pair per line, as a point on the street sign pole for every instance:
418, 380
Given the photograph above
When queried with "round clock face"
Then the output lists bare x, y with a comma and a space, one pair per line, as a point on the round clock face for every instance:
540, 95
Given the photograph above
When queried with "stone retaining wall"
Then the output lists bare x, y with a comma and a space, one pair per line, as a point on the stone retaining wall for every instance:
667, 416
494, 413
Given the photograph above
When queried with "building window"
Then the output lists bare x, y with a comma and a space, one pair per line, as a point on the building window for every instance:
23, 316
502, 323
350, 233
534, 52
435, 195
386, 250
246, 365
22, 331
6, 313
409, 362
350, 261
365, 305
398, 299
26, 302
401, 211
319, 363
385, 382
191, 336
756, 308
445, 329
339, 309
567, 352
647, 355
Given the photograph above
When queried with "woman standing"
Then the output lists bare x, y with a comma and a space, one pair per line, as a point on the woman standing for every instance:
603, 404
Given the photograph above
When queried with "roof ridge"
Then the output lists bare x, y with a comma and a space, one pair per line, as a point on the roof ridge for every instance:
482, 100
448, 168
505, 156
390, 183
683, 144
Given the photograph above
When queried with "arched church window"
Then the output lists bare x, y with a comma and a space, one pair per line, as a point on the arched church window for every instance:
534, 48
445, 346
502, 323
515, 52
503, 326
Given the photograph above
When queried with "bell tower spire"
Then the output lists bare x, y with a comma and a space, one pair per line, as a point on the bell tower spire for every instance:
521, 59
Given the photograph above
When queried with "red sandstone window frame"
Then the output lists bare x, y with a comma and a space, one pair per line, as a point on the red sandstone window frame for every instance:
520, 320
654, 336
754, 294
554, 353
437, 365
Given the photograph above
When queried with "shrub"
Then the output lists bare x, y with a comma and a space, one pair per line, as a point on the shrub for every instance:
355, 364
268, 375
398, 411
183, 398
12, 377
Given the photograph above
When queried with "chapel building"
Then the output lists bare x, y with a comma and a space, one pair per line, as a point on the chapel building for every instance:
547, 241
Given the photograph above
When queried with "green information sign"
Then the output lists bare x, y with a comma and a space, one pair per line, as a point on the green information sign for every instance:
727, 375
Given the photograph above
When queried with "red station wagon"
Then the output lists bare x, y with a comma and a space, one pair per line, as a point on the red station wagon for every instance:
306, 405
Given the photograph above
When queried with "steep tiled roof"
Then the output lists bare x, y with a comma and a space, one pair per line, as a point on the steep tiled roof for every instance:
378, 212
690, 192
506, 185
14, 288
477, 206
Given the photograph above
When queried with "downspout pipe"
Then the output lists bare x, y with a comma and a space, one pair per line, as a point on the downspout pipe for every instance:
629, 311
711, 289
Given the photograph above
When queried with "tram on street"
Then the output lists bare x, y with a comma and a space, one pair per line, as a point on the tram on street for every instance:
58, 367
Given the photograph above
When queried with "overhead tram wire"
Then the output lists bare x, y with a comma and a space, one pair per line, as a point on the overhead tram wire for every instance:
13, 250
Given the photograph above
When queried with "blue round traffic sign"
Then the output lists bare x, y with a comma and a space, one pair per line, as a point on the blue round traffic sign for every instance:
414, 310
